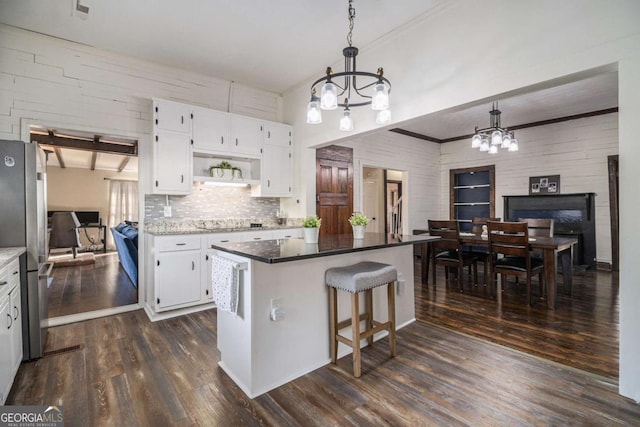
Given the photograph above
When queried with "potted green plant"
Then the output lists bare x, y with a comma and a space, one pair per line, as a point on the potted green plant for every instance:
359, 223
222, 166
311, 228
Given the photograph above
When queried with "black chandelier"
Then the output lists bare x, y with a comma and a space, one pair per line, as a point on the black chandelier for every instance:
331, 91
489, 139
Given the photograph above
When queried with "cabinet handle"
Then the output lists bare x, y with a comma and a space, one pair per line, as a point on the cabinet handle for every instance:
16, 272
268, 134
158, 300
193, 265
236, 142
222, 140
10, 321
180, 244
3, 283
257, 238
206, 257
224, 241
207, 292
268, 183
17, 312
182, 178
182, 120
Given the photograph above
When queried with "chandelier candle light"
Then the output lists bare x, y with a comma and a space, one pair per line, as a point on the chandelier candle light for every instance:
331, 91
489, 139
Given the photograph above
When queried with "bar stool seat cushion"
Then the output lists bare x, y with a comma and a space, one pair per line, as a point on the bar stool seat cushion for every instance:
361, 276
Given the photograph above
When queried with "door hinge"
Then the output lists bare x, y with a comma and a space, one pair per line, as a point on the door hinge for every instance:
156, 122
192, 142
206, 257
156, 108
289, 155
261, 151
192, 116
207, 292
156, 138
158, 300
158, 263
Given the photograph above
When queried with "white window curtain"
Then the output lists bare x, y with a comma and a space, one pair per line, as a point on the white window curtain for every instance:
123, 201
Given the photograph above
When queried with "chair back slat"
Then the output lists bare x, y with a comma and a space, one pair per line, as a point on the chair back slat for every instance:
508, 238
540, 227
478, 222
449, 233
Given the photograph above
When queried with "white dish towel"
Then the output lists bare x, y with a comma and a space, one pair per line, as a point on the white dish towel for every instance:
225, 283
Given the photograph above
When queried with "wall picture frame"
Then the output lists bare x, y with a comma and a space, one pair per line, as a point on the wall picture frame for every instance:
548, 184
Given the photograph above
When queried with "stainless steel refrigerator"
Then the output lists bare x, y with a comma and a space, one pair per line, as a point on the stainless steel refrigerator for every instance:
23, 222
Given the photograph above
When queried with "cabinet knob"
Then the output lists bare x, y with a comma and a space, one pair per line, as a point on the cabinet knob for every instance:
193, 265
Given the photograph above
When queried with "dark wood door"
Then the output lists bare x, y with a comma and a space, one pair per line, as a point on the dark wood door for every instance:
334, 188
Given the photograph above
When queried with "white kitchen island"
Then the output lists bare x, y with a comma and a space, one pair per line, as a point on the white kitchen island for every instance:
260, 354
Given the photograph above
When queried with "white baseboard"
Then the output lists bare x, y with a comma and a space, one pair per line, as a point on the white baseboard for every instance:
79, 317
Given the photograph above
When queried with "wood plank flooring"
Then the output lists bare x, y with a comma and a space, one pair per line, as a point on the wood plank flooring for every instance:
130, 371
79, 289
582, 332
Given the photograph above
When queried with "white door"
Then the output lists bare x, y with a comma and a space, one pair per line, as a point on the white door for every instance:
372, 200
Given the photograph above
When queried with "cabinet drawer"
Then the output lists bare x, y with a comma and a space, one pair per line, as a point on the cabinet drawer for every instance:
177, 243
224, 238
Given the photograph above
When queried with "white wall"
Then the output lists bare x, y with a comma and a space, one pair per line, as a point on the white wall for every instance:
576, 150
448, 58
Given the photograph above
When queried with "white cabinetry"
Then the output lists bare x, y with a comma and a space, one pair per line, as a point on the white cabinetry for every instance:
10, 326
210, 131
276, 162
172, 164
177, 271
246, 136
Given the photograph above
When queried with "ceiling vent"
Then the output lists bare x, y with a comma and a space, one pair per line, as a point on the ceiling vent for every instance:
80, 8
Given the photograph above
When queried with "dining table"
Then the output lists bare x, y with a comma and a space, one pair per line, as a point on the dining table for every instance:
552, 249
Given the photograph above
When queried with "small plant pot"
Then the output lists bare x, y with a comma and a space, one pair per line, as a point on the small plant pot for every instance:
311, 234
358, 231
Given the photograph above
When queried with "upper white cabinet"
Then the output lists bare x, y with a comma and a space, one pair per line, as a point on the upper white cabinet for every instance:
172, 116
278, 134
210, 131
246, 136
276, 162
172, 165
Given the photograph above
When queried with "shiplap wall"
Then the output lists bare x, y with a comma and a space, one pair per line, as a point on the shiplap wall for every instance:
420, 160
51, 80
576, 150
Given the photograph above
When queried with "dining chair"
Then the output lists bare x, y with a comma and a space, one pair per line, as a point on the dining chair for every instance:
481, 253
510, 256
539, 226
447, 251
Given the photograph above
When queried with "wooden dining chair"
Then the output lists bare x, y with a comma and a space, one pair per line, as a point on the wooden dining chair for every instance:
509, 254
481, 253
447, 251
541, 227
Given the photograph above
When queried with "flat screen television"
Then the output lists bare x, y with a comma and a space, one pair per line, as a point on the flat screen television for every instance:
85, 217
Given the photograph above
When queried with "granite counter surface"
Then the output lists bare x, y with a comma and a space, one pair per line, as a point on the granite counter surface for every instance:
8, 254
174, 231
293, 249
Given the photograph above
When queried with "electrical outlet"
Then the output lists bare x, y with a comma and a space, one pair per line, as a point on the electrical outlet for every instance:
167, 211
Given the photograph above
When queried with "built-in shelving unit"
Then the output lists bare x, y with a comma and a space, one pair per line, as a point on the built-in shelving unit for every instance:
472, 194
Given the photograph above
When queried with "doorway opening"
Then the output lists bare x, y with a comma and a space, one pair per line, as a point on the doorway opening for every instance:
382, 200
92, 190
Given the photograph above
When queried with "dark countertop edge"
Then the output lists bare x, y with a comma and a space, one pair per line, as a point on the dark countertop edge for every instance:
218, 230
319, 254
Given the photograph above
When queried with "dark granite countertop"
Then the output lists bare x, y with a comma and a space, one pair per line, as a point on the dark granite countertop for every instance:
293, 249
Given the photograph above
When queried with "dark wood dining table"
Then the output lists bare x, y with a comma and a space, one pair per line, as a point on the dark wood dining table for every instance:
551, 248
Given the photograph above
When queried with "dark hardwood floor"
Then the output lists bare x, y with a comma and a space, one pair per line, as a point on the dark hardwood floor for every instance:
129, 371
78, 289
582, 332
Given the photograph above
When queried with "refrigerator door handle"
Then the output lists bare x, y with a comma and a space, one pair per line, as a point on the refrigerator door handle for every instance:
45, 270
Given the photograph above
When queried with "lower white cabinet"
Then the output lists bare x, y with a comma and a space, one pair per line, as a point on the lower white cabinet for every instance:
182, 273
10, 326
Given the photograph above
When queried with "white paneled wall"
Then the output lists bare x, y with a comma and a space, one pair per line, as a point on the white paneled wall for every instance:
49, 80
419, 159
576, 150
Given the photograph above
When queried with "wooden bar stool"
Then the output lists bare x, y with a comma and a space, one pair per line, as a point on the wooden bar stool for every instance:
356, 278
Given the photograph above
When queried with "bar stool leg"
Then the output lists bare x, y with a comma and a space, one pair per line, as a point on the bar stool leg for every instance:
333, 322
391, 302
355, 326
368, 297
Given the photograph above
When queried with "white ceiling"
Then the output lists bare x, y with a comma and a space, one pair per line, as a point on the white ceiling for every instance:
275, 45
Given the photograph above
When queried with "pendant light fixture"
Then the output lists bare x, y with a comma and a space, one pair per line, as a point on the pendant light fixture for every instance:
374, 89
489, 139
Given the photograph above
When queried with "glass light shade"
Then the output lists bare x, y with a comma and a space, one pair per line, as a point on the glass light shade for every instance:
496, 137
346, 122
514, 145
383, 117
329, 96
484, 145
380, 97
476, 141
314, 115
493, 149
506, 140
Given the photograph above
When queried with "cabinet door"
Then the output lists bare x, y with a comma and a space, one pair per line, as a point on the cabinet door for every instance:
246, 136
177, 278
210, 131
172, 116
206, 278
6, 369
16, 328
275, 177
172, 163
278, 134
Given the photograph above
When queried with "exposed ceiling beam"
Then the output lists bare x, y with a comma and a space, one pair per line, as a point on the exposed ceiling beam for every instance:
123, 163
87, 144
94, 158
59, 156
516, 127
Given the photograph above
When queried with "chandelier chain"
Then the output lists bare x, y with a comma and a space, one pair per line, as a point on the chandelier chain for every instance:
352, 15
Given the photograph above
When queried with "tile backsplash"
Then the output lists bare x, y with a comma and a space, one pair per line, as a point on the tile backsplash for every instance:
211, 202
